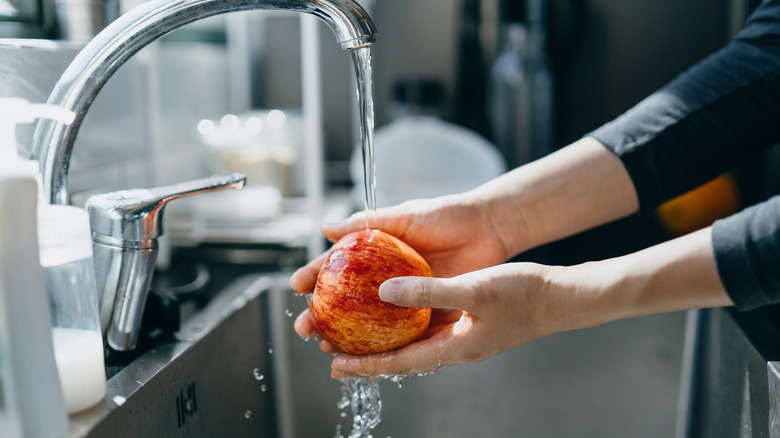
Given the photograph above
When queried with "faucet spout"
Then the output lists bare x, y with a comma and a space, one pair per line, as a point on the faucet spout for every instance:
112, 47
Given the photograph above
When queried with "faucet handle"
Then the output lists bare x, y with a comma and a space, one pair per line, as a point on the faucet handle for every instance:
133, 218
125, 227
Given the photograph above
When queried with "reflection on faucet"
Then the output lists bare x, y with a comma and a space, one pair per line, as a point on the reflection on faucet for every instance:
101, 58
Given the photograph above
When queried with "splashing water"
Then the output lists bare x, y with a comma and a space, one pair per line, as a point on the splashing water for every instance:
258, 375
398, 380
362, 397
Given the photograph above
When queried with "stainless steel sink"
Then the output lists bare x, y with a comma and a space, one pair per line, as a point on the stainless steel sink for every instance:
212, 378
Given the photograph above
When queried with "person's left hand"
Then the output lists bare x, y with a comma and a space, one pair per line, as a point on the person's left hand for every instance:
494, 310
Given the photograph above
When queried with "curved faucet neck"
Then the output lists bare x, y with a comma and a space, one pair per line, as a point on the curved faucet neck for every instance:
102, 56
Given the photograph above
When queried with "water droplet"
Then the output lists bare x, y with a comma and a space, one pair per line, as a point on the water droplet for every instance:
398, 380
258, 374
343, 414
270, 349
248, 414
344, 402
263, 387
289, 313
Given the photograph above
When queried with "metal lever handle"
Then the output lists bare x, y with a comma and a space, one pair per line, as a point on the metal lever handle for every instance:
125, 227
133, 218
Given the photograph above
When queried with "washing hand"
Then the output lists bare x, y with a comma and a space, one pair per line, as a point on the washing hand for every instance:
491, 311
452, 233
489, 307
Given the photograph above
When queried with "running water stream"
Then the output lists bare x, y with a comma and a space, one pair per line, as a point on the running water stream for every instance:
360, 394
362, 58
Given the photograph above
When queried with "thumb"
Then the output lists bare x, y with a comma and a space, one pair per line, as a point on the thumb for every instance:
421, 292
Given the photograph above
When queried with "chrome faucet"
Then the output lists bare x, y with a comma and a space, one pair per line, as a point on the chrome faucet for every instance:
125, 228
85, 77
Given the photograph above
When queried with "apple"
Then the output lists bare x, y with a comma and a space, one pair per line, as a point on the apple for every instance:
345, 305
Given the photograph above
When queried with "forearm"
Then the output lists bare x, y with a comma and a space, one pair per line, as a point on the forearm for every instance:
676, 275
576, 188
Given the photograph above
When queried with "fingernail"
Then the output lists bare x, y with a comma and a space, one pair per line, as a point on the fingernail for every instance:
390, 292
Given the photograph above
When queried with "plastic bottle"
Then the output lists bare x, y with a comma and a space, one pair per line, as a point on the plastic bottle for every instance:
33, 404
520, 98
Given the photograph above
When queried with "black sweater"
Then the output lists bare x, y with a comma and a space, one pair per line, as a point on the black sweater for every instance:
708, 119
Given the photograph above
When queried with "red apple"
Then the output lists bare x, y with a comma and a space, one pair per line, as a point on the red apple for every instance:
346, 307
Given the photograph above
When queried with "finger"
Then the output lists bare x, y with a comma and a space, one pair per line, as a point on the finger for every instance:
336, 230
417, 358
393, 220
425, 292
304, 279
306, 329
304, 325
328, 348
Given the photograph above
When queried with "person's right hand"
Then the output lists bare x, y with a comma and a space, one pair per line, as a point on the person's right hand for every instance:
453, 233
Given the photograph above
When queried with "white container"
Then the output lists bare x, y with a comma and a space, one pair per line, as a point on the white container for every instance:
30, 376
32, 403
66, 256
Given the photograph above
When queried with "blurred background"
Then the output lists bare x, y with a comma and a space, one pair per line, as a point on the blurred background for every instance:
463, 90
522, 77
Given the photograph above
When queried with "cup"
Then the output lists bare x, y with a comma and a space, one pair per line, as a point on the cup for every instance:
65, 242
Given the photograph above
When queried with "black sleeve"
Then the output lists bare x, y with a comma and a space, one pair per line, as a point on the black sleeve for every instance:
747, 254
702, 124
706, 120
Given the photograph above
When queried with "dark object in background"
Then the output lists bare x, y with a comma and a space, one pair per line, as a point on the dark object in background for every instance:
418, 97
521, 92
471, 75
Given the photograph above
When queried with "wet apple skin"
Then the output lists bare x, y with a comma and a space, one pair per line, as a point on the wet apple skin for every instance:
346, 307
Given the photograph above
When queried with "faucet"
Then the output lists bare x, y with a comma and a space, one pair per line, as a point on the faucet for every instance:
125, 228
124, 275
